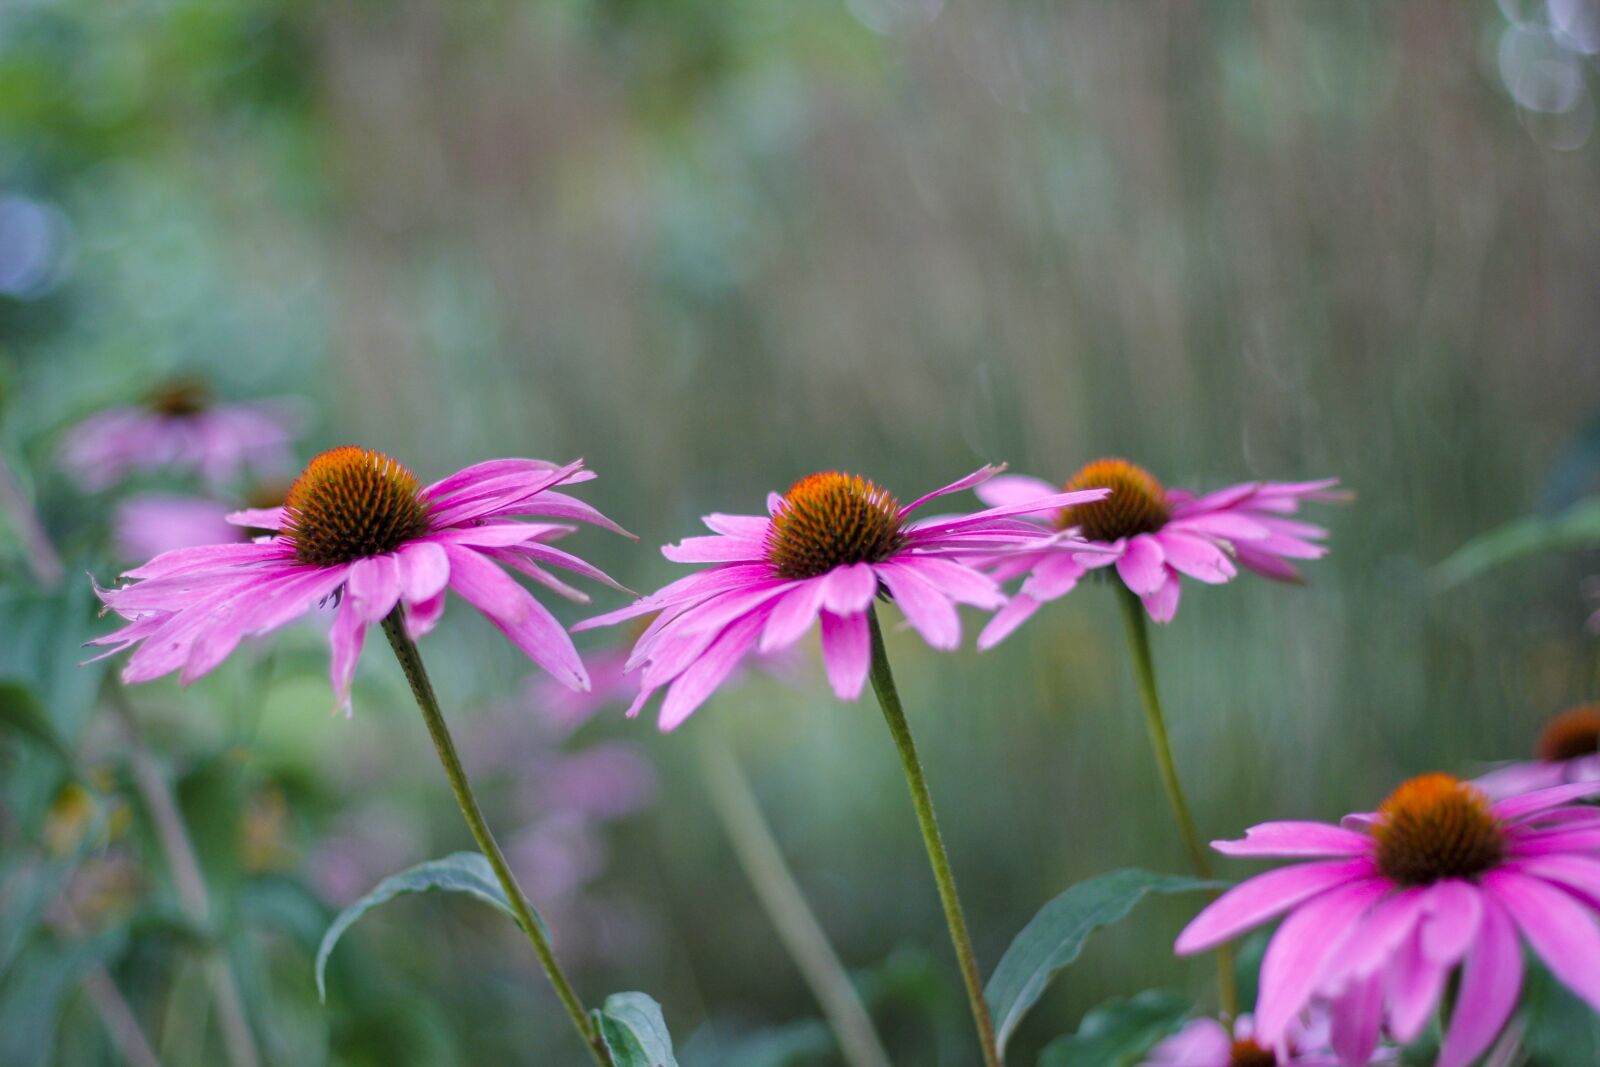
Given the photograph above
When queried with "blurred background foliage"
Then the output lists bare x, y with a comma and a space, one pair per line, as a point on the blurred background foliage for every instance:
712, 247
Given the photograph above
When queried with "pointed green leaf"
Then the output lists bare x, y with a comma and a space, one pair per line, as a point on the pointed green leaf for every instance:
463, 872
1118, 1032
1055, 936
1577, 527
634, 1031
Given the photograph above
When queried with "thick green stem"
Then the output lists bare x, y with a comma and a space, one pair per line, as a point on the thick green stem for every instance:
1144, 672
410, 658
895, 716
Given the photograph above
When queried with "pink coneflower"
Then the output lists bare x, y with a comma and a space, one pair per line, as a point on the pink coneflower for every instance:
1154, 537
1394, 900
1309, 1042
832, 543
1568, 751
178, 428
357, 526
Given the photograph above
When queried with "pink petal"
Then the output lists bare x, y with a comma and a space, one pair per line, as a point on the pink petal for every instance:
1301, 949
1200, 559
846, 653
1456, 909
1392, 923
849, 590
1520, 807
1357, 1018
1296, 839
743, 527
1263, 897
1054, 577
927, 609
1162, 604
960, 583
1006, 620
1560, 929
374, 585
1141, 565
423, 615
1013, 489
1490, 982
345, 638
793, 615
715, 549
977, 477
1415, 983
424, 571
695, 685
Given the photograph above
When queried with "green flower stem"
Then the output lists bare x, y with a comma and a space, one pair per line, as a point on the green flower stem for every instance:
1144, 671
895, 716
785, 904
405, 650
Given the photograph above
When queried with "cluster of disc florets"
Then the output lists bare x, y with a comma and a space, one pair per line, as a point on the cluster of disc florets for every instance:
350, 503
830, 519
1137, 504
1436, 827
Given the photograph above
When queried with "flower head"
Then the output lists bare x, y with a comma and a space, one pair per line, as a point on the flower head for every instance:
824, 551
1392, 902
1309, 1042
1568, 750
359, 528
1154, 536
178, 427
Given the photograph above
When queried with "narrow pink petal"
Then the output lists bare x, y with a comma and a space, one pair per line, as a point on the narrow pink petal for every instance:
957, 581
1456, 909
543, 640
1268, 566
1013, 489
1415, 984
186, 560
1560, 929
1300, 950
1357, 1019
487, 587
849, 590
846, 653
927, 609
1197, 557
423, 615
1262, 898
1054, 577
1006, 620
489, 468
1162, 604
1520, 807
977, 477
793, 615
744, 527
345, 638
1054, 502
694, 686
715, 549
424, 571
1230, 526
1490, 983
1391, 924
1577, 874
374, 585
1141, 565
1296, 839
256, 518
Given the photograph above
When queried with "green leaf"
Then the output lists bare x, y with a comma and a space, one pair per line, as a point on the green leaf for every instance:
1055, 936
462, 872
20, 711
1118, 1032
634, 1031
1577, 527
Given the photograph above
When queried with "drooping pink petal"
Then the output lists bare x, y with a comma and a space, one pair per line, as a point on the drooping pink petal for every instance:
1368, 951
1415, 983
374, 585
849, 590
960, 583
1490, 982
1263, 897
1357, 1021
793, 615
345, 638
1006, 620
1455, 910
1512, 809
1296, 839
1162, 604
695, 685
485, 586
1579, 875
1141, 565
423, 615
1196, 557
846, 653
424, 571
1055, 577
927, 609
1560, 930
1302, 947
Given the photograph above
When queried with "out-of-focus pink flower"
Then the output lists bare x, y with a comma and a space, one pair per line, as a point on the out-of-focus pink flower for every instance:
827, 548
1393, 901
1154, 537
149, 524
358, 527
1568, 751
179, 429
1309, 1042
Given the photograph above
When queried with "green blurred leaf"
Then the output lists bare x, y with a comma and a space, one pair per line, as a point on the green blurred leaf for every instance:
43, 648
633, 1029
462, 872
21, 712
1118, 1032
1055, 936
805, 1041
1577, 527
35, 989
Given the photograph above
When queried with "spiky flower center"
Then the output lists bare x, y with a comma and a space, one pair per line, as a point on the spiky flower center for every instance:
180, 398
350, 503
1434, 827
1247, 1053
1137, 504
830, 519
1571, 734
